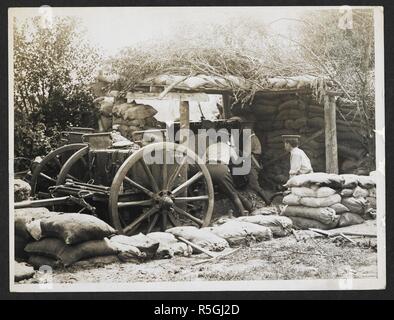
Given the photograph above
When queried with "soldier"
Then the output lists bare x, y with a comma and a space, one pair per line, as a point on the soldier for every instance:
218, 157
299, 161
253, 148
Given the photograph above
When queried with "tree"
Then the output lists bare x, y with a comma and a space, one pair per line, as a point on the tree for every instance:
53, 67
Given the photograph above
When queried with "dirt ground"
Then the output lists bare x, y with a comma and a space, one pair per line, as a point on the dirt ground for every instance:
281, 258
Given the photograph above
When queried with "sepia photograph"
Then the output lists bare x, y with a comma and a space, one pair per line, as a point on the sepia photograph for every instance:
196, 148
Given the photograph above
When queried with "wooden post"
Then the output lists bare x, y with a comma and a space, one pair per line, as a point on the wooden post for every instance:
330, 127
226, 105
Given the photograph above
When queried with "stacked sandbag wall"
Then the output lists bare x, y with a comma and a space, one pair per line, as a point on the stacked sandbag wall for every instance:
301, 114
134, 117
327, 201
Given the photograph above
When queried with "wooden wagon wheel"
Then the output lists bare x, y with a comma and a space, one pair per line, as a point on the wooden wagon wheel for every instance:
46, 172
167, 194
75, 168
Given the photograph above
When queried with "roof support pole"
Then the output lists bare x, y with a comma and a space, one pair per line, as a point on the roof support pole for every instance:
330, 128
226, 105
184, 119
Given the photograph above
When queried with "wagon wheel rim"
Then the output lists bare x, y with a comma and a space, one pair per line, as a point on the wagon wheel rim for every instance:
163, 198
77, 157
57, 159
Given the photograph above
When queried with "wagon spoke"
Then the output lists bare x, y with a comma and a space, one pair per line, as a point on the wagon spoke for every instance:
187, 199
176, 173
135, 203
191, 217
137, 221
58, 161
187, 183
152, 223
150, 176
138, 186
47, 177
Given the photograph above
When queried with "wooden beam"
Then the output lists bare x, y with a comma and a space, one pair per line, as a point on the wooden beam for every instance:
226, 105
199, 97
330, 128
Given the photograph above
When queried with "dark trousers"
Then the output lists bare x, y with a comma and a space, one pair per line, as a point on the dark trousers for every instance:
221, 177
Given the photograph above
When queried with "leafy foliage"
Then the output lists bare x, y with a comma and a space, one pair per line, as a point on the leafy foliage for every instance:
52, 69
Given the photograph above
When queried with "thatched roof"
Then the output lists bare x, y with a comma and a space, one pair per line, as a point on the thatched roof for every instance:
229, 83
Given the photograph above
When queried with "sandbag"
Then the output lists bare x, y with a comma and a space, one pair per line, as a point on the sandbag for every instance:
317, 122
349, 219
126, 252
264, 109
34, 229
239, 232
339, 208
299, 123
75, 228
68, 254
318, 178
366, 182
265, 211
22, 271
169, 246
291, 200
292, 104
320, 202
202, 237
38, 261
22, 217
304, 223
346, 193
323, 215
138, 112
321, 192
354, 205
142, 242
22, 190
279, 226
105, 108
360, 192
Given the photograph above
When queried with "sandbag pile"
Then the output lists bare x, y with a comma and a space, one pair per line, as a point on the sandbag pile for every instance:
133, 117
25, 224
326, 201
359, 196
63, 239
21, 190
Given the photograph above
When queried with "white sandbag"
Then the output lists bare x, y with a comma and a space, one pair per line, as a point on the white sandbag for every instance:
366, 182
125, 252
279, 225
23, 271
291, 200
169, 246
34, 228
238, 232
371, 202
323, 215
265, 211
355, 205
142, 242
349, 219
317, 178
321, 192
305, 223
360, 192
346, 192
320, 202
202, 237
339, 208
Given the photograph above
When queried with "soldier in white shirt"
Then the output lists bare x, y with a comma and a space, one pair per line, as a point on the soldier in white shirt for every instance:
299, 161
218, 157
